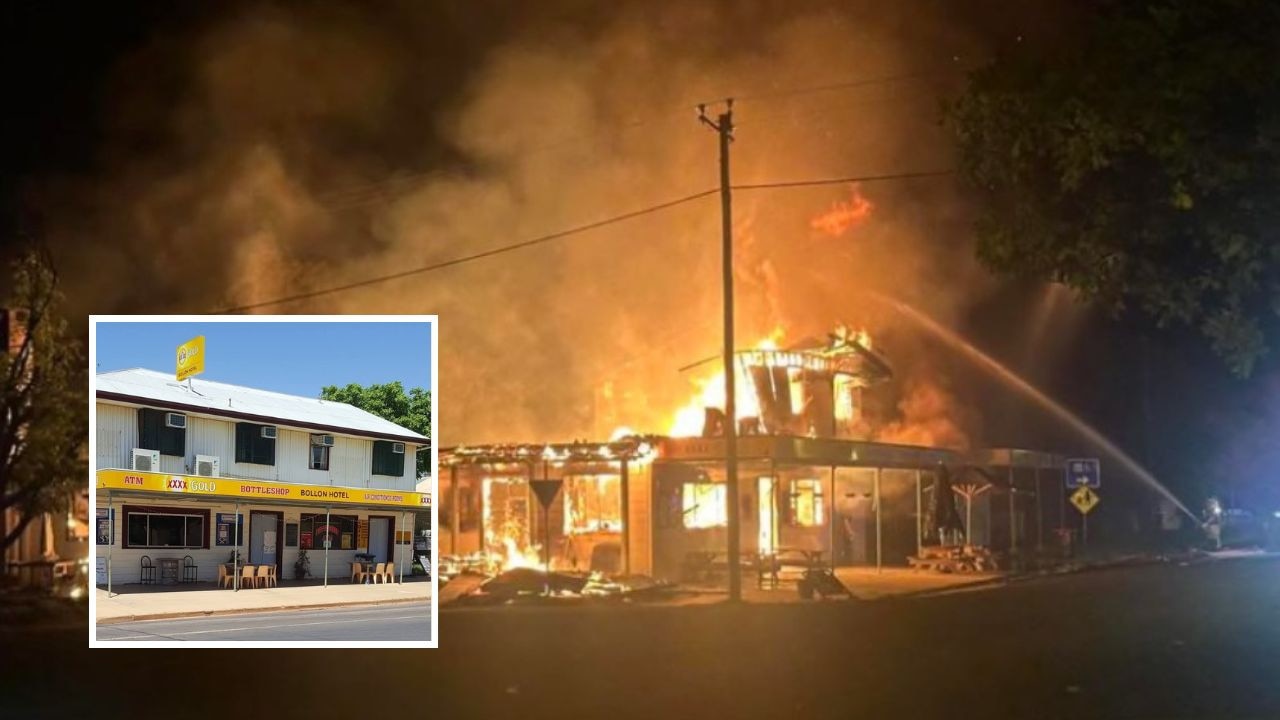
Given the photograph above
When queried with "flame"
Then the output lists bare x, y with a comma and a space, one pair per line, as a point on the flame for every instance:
689, 419
506, 546
843, 214
621, 433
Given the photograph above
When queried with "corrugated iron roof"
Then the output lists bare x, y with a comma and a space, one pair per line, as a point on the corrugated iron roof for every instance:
143, 386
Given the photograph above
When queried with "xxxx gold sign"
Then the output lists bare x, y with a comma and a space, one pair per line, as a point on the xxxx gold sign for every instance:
190, 358
262, 489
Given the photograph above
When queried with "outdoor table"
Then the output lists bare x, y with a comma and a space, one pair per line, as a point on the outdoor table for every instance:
169, 569
236, 568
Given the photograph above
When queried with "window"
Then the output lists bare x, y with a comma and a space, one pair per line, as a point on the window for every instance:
252, 447
806, 503
340, 531
319, 457
703, 505
155, 434
592, 503
159, 527
386, 461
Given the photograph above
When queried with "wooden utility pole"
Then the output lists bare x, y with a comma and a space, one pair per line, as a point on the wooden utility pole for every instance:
723, 125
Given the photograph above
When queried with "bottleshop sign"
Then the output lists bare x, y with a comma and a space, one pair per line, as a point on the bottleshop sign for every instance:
259, 489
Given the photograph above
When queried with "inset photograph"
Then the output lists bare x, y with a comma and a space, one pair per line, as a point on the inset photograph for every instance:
262, 481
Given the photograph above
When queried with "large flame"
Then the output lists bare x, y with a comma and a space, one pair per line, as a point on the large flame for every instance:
689, 419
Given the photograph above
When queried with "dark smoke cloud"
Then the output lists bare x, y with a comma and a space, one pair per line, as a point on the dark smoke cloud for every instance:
289, 150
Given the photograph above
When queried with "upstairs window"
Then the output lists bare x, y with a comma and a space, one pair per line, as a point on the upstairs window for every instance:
253, 445
156, 432
319, 457
386, 461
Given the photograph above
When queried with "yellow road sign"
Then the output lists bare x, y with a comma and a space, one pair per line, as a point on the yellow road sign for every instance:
191, 358
1085, 499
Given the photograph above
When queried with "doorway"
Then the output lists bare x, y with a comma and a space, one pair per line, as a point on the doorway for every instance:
380, 538
768, 500
264, 537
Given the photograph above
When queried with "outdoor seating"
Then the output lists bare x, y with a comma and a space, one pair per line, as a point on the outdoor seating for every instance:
379, 572
225, 576
148, 576
247, 576
390, 572
190, 571
266, 576
358, 572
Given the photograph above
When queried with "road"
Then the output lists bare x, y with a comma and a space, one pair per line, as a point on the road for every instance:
1169, 641
383, 622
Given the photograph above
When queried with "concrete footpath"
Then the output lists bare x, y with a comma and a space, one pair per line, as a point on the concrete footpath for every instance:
150, 605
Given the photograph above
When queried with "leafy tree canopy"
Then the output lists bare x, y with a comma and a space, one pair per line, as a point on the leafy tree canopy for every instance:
1140, 165
43, 416
389, 401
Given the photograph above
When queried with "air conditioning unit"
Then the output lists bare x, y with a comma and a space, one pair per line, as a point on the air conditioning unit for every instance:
326, 440
175, 420
397, 448
207, 466
269, 432
146, 460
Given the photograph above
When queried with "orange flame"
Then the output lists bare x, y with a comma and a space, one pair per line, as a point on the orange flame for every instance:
843, 214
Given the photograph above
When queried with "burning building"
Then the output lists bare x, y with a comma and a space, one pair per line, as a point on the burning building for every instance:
811, 479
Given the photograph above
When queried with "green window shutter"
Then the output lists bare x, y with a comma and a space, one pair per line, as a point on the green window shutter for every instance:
149, 423
244, 442
386, 462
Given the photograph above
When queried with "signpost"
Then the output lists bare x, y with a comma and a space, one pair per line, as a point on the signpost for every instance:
546, 490
1083, 472
1085, 500
190, 358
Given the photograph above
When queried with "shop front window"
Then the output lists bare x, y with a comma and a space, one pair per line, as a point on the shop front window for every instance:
164, 528
592, 503
806, 503
703, 505
339, 530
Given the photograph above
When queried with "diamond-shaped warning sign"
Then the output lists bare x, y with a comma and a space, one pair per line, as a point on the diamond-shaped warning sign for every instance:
1085, 499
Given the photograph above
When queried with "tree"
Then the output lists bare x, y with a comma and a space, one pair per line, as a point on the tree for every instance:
389, 401
1140, 165
43, 415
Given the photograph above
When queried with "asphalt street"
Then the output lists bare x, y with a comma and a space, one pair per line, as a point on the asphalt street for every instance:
1163, 641
383, 622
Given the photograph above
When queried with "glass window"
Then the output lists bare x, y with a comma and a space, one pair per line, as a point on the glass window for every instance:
703, 505
592, 503
165, 529
806, 503
319, 457
340, 531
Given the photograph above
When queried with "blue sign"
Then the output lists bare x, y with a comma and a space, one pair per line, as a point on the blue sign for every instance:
1083, 472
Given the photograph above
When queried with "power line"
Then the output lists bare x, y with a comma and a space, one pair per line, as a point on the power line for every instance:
477, 256
843, 180
376, 190
581, 229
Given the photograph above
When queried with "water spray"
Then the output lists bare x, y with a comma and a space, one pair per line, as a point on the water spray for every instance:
1015, 381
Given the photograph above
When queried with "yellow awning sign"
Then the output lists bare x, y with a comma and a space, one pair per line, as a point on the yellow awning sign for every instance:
190, 358
265, 490
1084, 499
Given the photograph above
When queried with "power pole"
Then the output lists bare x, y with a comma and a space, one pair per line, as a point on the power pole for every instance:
723, 125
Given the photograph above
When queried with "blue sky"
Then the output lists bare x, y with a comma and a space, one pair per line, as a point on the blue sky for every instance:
290, 357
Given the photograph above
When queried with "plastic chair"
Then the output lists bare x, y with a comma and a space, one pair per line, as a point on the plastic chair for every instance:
225, 577
266, 574
247, 576
190, 571
358, 573
391, 572
148, 574
379, 571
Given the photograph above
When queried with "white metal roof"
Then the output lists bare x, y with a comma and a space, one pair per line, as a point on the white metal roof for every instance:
142, 385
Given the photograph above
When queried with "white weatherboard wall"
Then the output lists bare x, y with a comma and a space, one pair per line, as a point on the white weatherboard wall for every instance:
350, 459
126, 564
